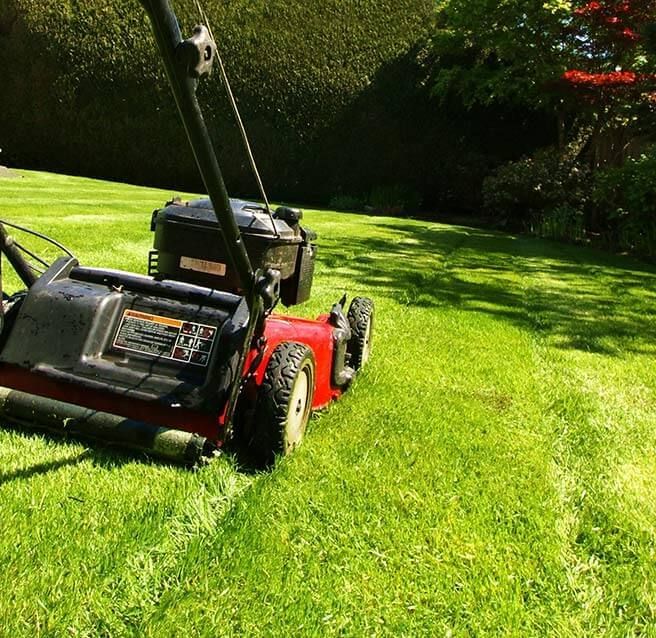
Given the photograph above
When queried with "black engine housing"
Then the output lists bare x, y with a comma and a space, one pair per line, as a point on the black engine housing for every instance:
189, 246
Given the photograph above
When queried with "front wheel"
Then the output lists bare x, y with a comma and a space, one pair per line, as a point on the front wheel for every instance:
284, 402
361, 318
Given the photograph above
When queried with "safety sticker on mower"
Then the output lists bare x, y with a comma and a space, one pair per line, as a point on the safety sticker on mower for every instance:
167, 338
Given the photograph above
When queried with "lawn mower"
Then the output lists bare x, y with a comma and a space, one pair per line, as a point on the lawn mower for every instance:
181, 361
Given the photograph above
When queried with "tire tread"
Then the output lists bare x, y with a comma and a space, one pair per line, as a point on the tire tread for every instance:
360, 314
274, 395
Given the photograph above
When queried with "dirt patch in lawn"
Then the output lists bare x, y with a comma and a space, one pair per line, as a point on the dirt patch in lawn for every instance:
6, 173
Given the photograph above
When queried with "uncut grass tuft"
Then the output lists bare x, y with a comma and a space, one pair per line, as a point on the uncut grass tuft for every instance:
490, 472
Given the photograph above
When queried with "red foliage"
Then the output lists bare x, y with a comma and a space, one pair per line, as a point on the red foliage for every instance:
630, 34
588, 9
615, 79
619, 17
611, 26
610, 8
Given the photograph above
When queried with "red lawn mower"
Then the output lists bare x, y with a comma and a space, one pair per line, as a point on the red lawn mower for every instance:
181, 361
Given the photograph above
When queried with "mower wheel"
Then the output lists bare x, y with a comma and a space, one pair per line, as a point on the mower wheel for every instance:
361, 318
284, 402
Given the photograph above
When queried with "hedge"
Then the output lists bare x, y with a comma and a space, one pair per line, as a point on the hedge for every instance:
332, 94
84, 88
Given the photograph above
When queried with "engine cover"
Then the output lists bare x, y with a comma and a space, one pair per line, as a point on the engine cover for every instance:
190, 246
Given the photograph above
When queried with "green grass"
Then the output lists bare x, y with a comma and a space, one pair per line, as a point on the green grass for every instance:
492, 471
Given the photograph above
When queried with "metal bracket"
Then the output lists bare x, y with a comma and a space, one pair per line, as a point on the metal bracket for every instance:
198, 53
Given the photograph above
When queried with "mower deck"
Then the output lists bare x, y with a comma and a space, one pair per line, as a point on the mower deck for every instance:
123, 345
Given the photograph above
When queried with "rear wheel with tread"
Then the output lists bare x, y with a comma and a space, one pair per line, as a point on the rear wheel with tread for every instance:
284, 402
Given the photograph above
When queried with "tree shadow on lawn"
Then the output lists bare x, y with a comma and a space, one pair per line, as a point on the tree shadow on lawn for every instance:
579, 297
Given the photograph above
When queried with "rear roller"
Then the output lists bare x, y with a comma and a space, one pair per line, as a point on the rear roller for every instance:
65, 418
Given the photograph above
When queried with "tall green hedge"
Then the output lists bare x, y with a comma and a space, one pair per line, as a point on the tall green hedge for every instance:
333, 94
83, 88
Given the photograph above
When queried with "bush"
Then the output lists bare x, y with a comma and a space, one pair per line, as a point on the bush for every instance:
625, 198
558, 198
346, 202
562, 222
527, 193
394, 199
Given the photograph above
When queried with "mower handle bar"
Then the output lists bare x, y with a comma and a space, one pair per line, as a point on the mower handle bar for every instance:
183, 78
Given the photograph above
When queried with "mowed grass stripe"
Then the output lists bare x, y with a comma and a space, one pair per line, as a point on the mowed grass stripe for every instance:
602, 412
489, 473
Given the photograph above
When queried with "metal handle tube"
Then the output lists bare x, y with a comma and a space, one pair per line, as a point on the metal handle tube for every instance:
168, 36
16, 259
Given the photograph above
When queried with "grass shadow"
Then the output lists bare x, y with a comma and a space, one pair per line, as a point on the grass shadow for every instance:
581, 298
42, 468
104, 454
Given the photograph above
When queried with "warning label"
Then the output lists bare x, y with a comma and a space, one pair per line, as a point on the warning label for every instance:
163, 337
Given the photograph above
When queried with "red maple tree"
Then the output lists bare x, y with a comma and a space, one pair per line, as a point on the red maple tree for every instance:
612, 85
608, 36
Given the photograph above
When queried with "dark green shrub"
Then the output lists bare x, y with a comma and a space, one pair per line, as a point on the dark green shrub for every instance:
625, 198
524, 193
83, 90
394, 199
563, 222
346, 202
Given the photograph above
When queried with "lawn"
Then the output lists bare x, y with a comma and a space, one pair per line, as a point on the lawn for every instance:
492, 471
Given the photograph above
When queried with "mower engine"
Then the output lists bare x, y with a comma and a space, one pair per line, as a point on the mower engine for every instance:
189, 246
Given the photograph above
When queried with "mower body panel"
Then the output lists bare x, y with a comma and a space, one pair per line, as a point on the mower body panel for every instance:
106, 340
174, 344
319, 336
